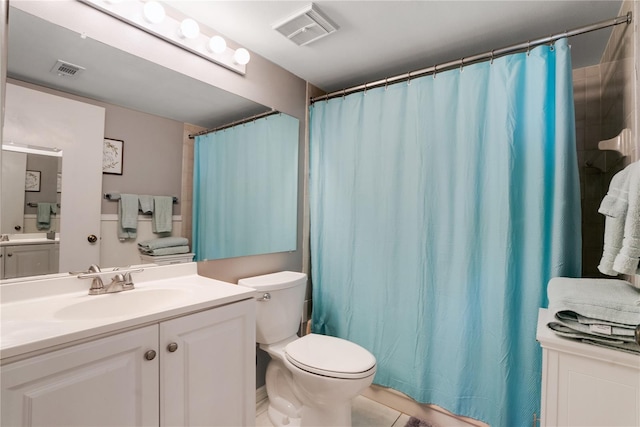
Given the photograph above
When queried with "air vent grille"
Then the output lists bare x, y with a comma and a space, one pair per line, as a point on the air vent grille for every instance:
66, 69
306, 26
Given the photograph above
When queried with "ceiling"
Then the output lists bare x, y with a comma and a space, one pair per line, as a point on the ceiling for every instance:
376, 39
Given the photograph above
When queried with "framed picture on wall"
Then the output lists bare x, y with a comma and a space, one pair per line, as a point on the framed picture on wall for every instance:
32, 181
112, 152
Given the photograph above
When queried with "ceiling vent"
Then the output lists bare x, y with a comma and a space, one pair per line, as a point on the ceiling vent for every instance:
306, 26
66, 69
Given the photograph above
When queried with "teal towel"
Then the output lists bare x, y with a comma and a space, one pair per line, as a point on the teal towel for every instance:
166, 251
127, 216
162, 214
146, 203
610, 300
44, 215
163, 242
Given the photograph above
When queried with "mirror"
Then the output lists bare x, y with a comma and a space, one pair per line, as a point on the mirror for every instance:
35, 44
31, 209
30, 176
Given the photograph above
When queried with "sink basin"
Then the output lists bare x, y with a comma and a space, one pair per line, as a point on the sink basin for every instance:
121, 304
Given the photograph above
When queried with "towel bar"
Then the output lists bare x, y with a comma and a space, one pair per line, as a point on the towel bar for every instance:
116, 196
35, 205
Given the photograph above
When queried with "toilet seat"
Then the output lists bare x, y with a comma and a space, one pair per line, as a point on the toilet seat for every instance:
330, 356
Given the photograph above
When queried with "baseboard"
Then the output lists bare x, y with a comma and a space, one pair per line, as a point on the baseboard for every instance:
430, 413
261, 394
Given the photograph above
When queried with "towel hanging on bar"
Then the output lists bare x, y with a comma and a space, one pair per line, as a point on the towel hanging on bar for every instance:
116, 196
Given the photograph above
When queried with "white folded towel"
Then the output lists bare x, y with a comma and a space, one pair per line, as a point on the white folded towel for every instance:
628, 258
621, 206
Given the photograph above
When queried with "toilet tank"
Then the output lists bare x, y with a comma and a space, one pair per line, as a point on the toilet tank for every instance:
278, 315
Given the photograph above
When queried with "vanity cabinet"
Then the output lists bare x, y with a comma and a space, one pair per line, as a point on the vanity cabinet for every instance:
29, 260
586, 385
198, 369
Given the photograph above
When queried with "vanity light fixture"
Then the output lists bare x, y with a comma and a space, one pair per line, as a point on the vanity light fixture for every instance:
241, 56
153, 12
217, 44
189, 29
171, 26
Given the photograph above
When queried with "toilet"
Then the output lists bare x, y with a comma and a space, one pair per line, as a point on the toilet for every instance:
310, 380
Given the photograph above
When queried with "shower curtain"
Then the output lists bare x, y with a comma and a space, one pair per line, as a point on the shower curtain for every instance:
440, 208
245, 189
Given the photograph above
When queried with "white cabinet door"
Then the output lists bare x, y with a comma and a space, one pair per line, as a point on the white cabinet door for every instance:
30, 260
586, 385
209, 378
107, 382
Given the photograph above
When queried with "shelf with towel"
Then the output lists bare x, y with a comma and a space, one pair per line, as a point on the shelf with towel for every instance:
35, 205
622, 145
116, 196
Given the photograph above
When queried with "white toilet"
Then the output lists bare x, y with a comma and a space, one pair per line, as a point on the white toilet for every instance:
310, 380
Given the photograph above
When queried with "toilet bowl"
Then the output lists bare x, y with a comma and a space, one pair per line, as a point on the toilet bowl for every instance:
310, 380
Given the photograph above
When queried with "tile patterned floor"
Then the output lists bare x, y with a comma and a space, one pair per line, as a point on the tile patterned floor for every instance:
364, 413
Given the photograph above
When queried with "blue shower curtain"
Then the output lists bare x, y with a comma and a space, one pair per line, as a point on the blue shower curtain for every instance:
245, 189
440, 208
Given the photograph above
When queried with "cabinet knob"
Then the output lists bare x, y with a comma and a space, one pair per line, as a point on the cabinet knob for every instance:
172, 347
150, 355
17, 228
92, 238
9, 254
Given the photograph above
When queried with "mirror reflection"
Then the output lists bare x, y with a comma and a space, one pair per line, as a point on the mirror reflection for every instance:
152, 123
31, 194
245, 189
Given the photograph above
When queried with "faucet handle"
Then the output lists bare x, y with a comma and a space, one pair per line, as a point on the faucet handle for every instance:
128, 282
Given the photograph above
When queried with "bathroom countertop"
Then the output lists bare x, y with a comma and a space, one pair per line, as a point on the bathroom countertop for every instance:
29, 241
39, 315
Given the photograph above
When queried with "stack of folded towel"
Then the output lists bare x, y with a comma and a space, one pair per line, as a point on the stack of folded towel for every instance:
603, 312
164, 246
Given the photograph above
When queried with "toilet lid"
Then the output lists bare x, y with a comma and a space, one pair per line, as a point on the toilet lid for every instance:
330, 356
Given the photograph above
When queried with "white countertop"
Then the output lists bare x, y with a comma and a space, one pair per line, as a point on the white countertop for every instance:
29, 239
31, 313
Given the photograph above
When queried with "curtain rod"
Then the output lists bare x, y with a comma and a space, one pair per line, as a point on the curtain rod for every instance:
495, 53
236, 123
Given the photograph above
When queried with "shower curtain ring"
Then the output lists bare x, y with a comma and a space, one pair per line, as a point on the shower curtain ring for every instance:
386, 83
344, 92
435, 71
409, 79
365, 89
491, 57
462, 64
528, 47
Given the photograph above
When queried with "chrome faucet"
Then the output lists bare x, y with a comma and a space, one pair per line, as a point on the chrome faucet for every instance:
119, 282
116, 285
97, 287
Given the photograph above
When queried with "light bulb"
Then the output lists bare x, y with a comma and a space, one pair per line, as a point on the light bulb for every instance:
189, 29
153, 12
217, 44
241, 56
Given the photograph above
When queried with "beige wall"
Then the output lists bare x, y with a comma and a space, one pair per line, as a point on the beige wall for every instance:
606, 101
